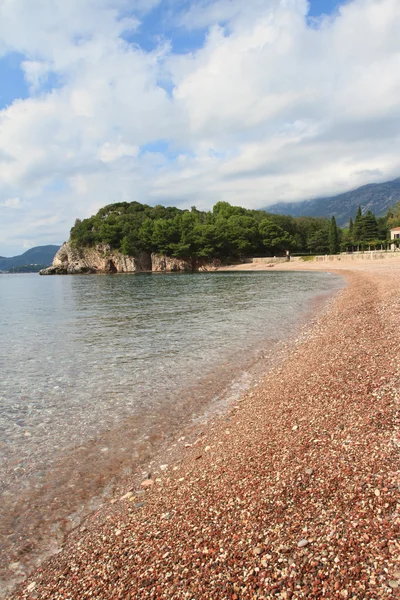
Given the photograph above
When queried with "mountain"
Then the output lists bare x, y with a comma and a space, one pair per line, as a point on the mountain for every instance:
377, 197
40, 255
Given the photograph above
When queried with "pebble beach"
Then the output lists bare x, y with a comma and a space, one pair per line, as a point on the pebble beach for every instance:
293, 493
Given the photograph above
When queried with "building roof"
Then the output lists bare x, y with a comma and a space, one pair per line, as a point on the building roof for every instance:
395, 229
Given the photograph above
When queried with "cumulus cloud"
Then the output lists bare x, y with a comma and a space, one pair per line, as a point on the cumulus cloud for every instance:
272, 107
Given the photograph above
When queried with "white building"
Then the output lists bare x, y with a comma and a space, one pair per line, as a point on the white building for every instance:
395, 235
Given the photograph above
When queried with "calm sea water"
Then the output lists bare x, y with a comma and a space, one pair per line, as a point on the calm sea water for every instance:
97, 372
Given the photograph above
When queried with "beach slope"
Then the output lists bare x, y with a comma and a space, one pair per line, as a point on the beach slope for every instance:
293, 494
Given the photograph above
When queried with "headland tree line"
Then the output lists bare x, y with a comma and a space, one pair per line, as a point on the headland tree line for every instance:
227, 232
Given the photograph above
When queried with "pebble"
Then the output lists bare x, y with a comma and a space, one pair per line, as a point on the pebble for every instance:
237, 521
127, 496
147, 483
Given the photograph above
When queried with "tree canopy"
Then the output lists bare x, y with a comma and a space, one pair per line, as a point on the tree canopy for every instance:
225, 232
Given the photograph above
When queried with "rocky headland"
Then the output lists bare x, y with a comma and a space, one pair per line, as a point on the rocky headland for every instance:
102, 259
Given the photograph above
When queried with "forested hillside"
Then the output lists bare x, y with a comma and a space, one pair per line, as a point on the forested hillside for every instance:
376, 197
225, 232
39, 255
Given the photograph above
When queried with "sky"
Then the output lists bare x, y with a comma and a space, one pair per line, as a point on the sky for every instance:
189, 102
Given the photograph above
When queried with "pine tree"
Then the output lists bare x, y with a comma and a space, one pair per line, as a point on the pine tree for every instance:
351, 228
358, 226
333, 237
369, 228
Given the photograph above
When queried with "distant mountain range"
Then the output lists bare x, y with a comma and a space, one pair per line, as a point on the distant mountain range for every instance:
40, 255
377, 197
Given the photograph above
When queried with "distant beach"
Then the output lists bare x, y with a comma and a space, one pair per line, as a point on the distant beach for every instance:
292, 494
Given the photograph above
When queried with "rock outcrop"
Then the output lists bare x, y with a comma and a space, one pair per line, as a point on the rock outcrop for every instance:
162, 263
101, 259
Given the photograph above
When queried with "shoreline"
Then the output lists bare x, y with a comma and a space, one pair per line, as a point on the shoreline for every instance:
67, 496
340, 263
264, 503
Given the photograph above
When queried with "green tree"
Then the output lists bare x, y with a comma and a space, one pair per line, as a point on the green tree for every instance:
333, 237
225, 232
383, 230
358, 226
165, 236
369, 230
242, 233
318, 243
393, 216
351, 230
274, 239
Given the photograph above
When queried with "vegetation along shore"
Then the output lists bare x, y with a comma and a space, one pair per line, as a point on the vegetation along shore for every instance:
293, 494
131, 237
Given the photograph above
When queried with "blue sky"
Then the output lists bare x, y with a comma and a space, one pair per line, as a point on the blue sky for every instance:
158, 24
188, 102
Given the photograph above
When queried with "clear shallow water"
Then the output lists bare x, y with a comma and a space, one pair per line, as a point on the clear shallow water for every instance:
96, 372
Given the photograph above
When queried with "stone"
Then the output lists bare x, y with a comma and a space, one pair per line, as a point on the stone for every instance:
394, 584
147, 483
302, 543
310, 471
257, 550
31, 586
127, 496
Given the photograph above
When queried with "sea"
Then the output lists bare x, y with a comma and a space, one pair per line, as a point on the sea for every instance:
99, 374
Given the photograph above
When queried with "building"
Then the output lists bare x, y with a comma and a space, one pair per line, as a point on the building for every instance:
395, 235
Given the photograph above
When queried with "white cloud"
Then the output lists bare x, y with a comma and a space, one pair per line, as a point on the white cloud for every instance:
268, 109
11, 203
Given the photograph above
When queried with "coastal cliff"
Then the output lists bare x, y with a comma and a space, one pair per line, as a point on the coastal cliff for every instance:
102, 259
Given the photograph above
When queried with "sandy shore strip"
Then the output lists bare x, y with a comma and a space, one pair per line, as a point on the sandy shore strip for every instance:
293, 494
